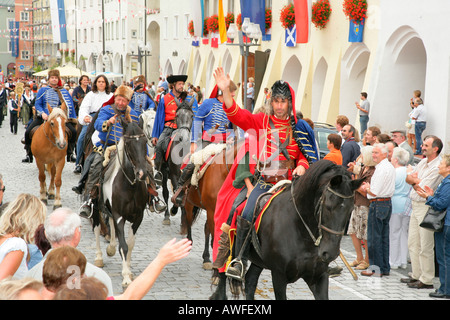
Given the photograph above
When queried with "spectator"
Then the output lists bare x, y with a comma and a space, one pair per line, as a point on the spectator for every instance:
420, 117
401, 212
250, 96
199, 95
341, 122
364, 109
420, 240
334, 142
371, 135
20, 289
18, 225
27, 103
62, 228
357, 227
113, 86
14, 109
390, 145
4, 93
383, 138
411, 124
63, 265
350, 149
440, 200
89, 288
80, 92
379, 192
399, 137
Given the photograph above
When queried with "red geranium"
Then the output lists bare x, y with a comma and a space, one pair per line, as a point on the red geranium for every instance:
229, 19
239, 21
205, 27
287, 16
268, 18
355, 10
191, 27
321, 11
213, 23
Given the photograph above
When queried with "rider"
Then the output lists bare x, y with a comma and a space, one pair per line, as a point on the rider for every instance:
48, 96
141, 99
216, 129
165, 120
109, 132
279, 154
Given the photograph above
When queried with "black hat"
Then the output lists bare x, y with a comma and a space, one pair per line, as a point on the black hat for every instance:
176, 78
281, 89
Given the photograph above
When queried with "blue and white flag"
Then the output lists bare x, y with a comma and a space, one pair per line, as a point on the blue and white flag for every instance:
356, 31
291, 36
58, 15
196, 42
14, 35
256, 11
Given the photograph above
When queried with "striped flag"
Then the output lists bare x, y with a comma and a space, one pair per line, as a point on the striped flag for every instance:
58, 16
256, 11
303, 12
198, 17
222, 25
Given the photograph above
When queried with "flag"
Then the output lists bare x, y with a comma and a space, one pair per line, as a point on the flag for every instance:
198, 17
303, 12
355, 33
256, 11
58, 17
290, 36
14, 35
196, 42
222, 25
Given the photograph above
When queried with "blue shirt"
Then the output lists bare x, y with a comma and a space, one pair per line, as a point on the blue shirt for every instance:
441, 198
141, 102
49, 96
400, 199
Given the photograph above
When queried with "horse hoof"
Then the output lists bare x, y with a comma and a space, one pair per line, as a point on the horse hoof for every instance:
111, 251
51, 197
44, 201
57, 206
166, 222
207, 266
99, 263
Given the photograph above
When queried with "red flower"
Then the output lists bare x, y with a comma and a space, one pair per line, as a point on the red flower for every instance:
355, 10
321, 11
239, 21
229, 19
213, 23
287, 16
268, 18
191, 27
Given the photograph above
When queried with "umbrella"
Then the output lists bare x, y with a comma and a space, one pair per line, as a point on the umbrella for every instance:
107, 74
68, 71
42, 73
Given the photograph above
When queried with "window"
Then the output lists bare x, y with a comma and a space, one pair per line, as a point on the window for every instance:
186, 24
134, 33
25, 55
175, 27
24, 35
123, 29
166, 27
92, 34
24, 16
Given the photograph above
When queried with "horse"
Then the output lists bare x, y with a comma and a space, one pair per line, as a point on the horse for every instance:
146, 121
123, 196
310, 215
179, 148
204, 196
49, 147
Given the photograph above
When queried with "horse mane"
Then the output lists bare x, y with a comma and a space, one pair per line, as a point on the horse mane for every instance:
57, 112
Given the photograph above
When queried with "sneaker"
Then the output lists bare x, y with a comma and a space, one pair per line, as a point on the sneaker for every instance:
77, 169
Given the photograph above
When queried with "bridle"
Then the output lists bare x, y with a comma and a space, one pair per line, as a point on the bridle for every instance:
53, 134
131, 137
318, 212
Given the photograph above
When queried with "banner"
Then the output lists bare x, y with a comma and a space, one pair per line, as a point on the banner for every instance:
303, 12
198, 17
222, 25
355, 33
58, 16
14, 34
256, 11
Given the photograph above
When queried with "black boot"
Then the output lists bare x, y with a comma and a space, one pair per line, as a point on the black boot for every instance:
70, 155
236, 269
29, 157
179, 195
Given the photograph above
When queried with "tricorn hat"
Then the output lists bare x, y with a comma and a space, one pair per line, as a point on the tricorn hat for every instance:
124, 91
176, 78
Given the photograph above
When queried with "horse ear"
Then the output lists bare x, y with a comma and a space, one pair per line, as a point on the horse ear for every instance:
50, 109
191, 103
355, 184
336, 181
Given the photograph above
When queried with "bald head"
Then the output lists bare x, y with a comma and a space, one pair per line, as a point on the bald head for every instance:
62, 228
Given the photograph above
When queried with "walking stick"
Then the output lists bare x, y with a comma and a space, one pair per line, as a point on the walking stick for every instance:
355, 277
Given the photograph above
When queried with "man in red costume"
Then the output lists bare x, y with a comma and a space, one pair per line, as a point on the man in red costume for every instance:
272, 153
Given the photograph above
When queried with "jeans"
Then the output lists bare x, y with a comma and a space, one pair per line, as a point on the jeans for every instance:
443, 258
419, 128
378, 235
363, 121
80, 144
260, 188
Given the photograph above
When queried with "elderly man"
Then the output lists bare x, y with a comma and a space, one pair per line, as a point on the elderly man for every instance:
379, 192
399, 137
62, 228
165, 123
420, 240
51, 96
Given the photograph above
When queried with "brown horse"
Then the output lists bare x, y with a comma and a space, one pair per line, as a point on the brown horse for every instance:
204, 196
49, 147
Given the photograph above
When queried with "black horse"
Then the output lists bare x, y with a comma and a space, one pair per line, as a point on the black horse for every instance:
179, 149
301, 231
124, 195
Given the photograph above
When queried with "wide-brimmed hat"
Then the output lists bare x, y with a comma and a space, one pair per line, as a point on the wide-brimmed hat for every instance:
176, 78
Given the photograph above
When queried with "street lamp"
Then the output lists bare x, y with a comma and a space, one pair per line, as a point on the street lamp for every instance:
144, 51
252, 31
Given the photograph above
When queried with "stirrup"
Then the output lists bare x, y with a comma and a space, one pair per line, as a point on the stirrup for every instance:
159, 205
158, 177
86, 204
232, 275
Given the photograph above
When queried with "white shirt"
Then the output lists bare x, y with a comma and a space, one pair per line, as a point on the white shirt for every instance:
382, 183
15, 244
92, 102
420, 113
428, 173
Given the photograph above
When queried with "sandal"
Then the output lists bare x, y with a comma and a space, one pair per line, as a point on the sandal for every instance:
362, 266
355, 263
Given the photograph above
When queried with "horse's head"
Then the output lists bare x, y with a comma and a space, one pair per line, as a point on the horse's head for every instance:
184, 114
333, 212
56, 123
135, 148
146, 122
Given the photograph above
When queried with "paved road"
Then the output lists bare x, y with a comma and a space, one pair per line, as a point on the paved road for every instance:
184, 280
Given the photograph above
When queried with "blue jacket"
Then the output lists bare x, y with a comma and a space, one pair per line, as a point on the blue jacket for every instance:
158, 127
47, 95
105, 114
441, 198
141, 102
306, 135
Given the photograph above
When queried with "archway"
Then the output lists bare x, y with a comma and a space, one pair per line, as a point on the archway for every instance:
153, 63
292, 72
227, 61
168, 70
196, 69
209, 71
317, 88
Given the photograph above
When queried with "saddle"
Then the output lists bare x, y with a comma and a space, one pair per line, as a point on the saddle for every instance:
203, 158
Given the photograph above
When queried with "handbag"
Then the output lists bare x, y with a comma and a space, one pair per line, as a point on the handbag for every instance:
434, 220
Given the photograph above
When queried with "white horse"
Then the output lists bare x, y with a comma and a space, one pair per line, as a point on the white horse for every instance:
148, 119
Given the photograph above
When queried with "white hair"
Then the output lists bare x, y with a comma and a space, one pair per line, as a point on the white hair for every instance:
61, 225
401, 155
383, 148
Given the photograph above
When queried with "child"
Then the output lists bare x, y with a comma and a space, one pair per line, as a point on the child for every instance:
14, 110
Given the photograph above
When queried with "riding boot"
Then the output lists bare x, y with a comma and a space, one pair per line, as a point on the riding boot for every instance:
236, 269
29, 157
70, 156
224, 247
179, 196
158, 176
